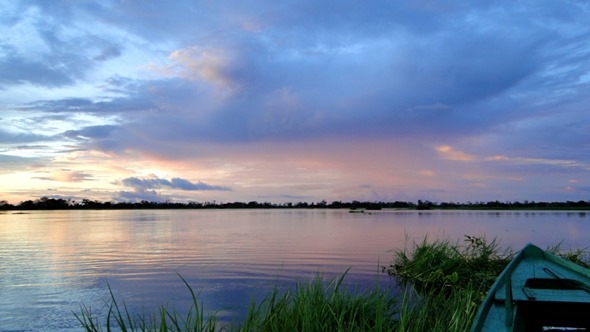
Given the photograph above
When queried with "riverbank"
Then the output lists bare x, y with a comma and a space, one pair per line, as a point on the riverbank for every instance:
316, 305
57, 203
445, 283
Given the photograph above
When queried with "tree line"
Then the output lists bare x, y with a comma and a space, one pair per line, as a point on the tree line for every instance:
47, 203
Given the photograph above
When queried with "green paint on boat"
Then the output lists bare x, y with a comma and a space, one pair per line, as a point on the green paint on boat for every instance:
537, 291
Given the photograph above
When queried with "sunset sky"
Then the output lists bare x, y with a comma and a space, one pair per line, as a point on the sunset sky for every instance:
289, 101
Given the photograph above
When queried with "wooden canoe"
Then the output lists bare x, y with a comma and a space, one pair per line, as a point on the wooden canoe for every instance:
537, 291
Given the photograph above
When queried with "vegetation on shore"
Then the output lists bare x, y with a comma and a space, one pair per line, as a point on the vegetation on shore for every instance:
316, 305
58, 203
444, 283
321, 306
445, 267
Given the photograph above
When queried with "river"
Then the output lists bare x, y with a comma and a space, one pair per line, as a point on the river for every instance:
52, 262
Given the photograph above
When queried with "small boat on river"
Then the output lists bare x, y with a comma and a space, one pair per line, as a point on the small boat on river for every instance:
537, 291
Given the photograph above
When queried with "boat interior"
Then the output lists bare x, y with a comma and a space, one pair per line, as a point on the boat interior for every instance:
541, 313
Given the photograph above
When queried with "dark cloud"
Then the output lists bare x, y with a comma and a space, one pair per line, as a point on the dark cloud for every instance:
57, 67
174, 183
331, 73
123, 86
16, 137
108, 53
144, 188
456, 81
139, 195
85, 105
44, 45
102, 137
92, 132
18, 70
294, 197
184, 78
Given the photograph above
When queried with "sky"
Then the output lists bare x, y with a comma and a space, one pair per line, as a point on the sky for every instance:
295, 101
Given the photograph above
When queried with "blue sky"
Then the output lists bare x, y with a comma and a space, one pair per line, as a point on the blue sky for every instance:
295, 100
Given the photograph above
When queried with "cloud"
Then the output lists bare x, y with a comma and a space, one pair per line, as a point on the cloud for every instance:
205, 64
448, 152
17, 70
454, 83
139, 195
67, 176
524, 166
37, 50
144, 189
109, 52
7, 137
91, 132
174, 183
367, 71
100, 137
86, 105
216, 83
582, 189
12, 164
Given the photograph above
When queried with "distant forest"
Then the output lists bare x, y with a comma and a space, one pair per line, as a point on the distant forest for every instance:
46, 203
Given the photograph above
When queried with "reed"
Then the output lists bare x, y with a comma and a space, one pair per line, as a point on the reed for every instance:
580, 256
118, 318
321, 306
316, 305
444, 283
433, 311
443, 267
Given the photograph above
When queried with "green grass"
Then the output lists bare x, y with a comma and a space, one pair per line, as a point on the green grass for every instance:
447, 281
445, 267
166, 319
578, 256
316, 305
436, 312
444, 282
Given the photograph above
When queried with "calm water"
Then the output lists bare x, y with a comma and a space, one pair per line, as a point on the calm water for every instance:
52, 262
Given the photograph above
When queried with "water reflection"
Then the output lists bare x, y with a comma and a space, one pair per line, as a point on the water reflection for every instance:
51, 262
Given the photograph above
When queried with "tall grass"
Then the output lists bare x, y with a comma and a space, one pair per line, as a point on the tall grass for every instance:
578, 256
317, 306
166, 319
445, 283
445, 267
437, 312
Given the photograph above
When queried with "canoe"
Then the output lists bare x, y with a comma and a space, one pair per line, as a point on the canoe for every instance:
537, 291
